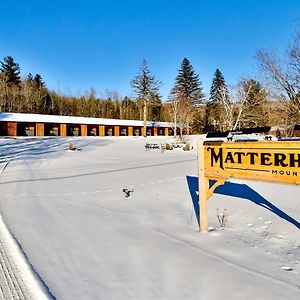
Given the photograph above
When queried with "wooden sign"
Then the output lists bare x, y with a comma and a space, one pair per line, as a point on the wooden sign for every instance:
272, 161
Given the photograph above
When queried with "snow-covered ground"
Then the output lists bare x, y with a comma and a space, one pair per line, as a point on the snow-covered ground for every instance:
82, 239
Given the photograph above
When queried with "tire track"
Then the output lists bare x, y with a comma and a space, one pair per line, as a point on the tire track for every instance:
100, 172
17, 281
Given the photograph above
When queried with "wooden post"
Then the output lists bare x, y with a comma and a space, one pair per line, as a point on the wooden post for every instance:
166, 131
117, 130
101, 130
203, 188
63, 129
143, 131
11, 128
130, 131
83, 130
39, 129
155, 131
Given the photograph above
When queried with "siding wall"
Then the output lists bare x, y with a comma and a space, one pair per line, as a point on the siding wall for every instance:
42, 129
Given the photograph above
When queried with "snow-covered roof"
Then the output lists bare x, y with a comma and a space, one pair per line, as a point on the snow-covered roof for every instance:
39, 118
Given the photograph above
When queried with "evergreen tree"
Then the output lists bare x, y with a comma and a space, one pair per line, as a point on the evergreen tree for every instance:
129, 109
188, 84
38, 81
215, 118
218, 90
145, 87
154, 108
29, 78
185, 96
36, 96
11, 70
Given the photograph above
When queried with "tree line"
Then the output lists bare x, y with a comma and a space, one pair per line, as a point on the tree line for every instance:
273, 99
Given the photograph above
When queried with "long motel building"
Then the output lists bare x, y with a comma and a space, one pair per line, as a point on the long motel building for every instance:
21, 124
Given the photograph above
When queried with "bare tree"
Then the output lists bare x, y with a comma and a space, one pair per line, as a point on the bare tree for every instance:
4, 91
185, 115
145, 87
182, 111
276, 77
227, 109
243, 106
250, 104
282, 74
175, 105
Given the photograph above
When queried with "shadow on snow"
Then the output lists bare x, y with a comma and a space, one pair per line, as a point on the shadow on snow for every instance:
242, 191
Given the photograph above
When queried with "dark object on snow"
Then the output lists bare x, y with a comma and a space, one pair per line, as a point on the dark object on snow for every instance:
127, 192
262, 129
149, 146
216, 134
187, 147
169, 147
72, 147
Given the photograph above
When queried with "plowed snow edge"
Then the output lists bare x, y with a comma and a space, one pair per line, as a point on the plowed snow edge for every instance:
17, 279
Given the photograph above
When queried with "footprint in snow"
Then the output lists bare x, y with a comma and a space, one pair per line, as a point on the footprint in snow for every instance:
279, 236
210, 228
268, 222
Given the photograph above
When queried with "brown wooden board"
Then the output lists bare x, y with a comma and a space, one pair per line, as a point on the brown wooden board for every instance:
271, 161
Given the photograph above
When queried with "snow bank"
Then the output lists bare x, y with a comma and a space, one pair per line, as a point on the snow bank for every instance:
18, 280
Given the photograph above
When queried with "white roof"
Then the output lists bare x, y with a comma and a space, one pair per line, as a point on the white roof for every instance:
39, 118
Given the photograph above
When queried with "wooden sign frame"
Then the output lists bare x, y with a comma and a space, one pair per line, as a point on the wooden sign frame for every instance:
277, 161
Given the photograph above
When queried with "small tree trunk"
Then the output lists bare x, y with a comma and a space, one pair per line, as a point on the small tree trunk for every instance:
237, 118
175, 125
145, 118
187, 127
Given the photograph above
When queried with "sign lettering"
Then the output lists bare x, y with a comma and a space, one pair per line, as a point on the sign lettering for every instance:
274, 161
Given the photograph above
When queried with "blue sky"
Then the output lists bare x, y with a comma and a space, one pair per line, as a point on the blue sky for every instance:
76, 45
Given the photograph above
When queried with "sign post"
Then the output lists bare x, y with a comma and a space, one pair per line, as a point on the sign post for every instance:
203, 183
270, 161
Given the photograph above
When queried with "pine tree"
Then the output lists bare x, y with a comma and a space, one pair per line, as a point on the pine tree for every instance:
154, 108
218, 90
146, 88
219, 103
185, 96
38, 81
188, 84
29, 78
11, 70
129, 109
